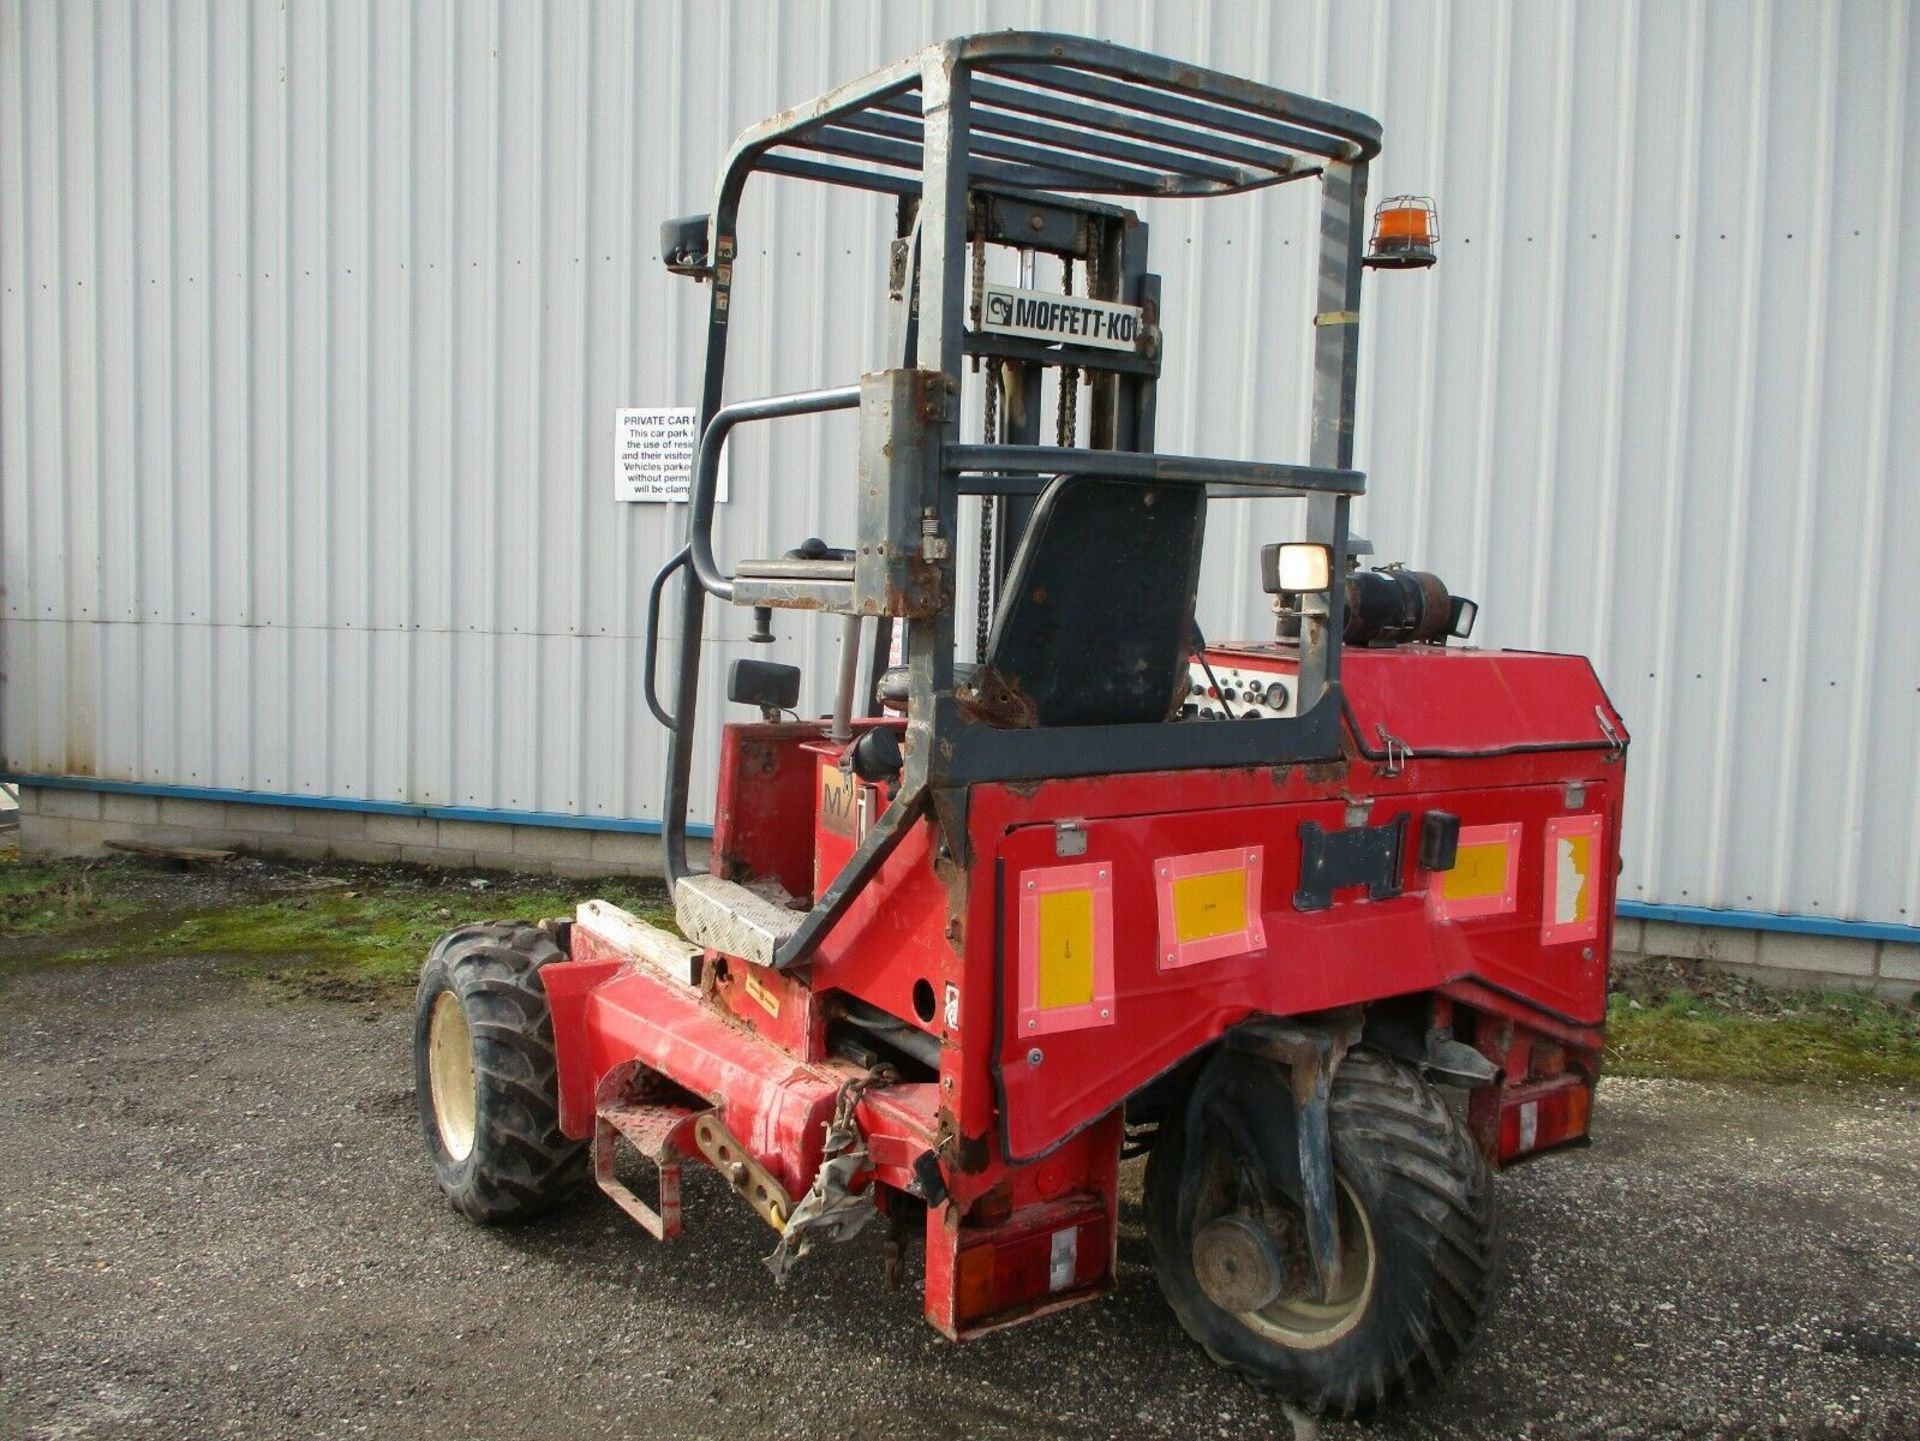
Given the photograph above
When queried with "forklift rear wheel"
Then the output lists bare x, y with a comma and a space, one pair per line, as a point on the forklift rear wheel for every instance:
485, 1076
1418, 1233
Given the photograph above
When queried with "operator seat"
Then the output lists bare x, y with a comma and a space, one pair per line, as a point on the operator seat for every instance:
1096, 613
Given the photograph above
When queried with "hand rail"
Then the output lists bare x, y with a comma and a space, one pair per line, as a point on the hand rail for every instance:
679, 559
702, 578
706, 476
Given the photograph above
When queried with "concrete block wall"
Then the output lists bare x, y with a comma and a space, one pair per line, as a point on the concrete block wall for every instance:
80, 823
1780, 957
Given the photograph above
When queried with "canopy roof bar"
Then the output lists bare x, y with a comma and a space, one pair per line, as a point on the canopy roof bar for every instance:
887, 181
1335, 145
1063, 113
990, 96
1024, 139
1089, 172
1165, 81
902, 162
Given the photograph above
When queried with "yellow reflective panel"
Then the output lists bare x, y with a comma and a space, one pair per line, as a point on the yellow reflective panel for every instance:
1477, 871
1211, 904
1065, 946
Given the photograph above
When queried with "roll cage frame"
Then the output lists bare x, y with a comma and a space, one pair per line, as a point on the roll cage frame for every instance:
966, 133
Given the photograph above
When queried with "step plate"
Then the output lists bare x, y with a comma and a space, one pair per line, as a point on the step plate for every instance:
731, 919
656, 1133
627, 934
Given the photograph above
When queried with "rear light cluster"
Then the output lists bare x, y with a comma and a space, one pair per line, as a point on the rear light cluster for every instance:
1015, 1269
1538, 1117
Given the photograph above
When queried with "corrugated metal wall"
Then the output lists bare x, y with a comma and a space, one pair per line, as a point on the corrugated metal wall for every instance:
316, 317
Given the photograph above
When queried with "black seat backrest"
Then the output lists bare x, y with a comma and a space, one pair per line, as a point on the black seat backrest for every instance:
1096, 617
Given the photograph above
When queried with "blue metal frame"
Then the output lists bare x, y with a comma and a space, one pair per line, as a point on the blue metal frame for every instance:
556, 820
1769, 921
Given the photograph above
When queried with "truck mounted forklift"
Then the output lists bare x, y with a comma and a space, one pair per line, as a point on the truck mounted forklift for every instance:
1319, 923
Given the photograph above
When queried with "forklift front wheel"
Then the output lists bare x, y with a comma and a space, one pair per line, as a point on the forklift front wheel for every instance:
1417, 1229
485, 1077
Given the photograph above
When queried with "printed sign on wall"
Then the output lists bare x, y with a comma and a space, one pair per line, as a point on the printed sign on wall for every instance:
654, 450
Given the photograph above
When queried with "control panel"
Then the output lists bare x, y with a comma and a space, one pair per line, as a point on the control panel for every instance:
1220, 690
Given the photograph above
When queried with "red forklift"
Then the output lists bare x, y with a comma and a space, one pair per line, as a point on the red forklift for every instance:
1318, 923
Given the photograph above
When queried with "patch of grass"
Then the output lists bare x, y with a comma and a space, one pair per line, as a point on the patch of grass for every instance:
51, 900
364, 933
1673, 1020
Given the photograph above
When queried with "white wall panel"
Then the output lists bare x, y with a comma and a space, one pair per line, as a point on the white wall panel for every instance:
315, 317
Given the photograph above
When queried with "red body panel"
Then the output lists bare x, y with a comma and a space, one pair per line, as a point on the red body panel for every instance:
763, 818
1445, 700
776, 1106
1026, 1125
1358, 950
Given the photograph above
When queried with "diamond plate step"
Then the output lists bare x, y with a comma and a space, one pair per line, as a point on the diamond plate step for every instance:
731, 919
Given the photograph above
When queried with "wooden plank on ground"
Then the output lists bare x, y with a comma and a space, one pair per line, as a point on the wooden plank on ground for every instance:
187, 855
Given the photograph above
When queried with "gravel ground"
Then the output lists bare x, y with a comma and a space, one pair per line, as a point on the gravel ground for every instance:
217, 1220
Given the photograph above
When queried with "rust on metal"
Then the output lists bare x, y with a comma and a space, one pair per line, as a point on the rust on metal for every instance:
997, 700
751, 1181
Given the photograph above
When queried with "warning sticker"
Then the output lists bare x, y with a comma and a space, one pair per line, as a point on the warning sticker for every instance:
769, 1000
1069, 319
654, 451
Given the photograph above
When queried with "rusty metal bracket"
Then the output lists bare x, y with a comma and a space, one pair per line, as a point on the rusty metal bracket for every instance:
751, 1181
1311, 1054
628, 1107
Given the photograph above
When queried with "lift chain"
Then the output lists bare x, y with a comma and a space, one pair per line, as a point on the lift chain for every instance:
1069, 374
979, 270
983, 581
990, 421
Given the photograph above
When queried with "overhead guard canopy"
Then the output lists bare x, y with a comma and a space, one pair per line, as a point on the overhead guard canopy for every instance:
1064, 113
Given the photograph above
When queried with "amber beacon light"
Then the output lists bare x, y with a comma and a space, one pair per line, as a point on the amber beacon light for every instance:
1405, 230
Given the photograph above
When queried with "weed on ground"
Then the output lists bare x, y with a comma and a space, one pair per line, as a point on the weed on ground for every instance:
50, 899
1683, 1020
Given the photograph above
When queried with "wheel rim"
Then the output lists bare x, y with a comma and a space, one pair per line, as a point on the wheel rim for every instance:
1295, 1318
450, 1075
1262, 1236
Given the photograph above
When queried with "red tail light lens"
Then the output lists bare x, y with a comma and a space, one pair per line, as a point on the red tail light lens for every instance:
1019, 1267
1539, 1117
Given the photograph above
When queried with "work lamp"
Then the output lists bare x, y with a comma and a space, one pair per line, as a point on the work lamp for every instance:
1296, 567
